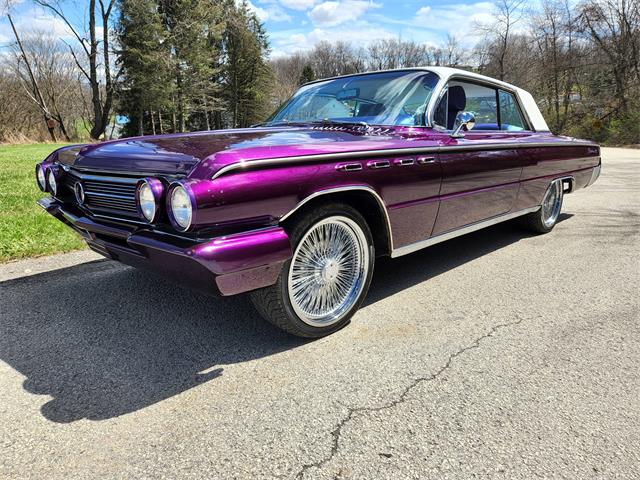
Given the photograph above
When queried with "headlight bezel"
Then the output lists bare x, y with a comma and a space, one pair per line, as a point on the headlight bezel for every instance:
156, 188
176, 186
41, 171
52, 180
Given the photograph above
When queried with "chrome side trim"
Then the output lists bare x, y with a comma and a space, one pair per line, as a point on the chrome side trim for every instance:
386, 152
398, 252
329, 191
595, 174
318, 157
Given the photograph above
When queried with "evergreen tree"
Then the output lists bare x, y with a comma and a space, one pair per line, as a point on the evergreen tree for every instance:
194, 31
246, 75
307, 75
146, 85
185, 68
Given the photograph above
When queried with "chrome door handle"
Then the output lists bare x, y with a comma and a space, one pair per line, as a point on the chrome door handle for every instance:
378, 164
404, 162
426, 160
349, 167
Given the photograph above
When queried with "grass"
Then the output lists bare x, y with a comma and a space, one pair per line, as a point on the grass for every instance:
25, 229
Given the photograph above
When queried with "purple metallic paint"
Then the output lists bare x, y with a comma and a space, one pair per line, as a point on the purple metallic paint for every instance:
194, 206
158, 188
213, 266
449, 189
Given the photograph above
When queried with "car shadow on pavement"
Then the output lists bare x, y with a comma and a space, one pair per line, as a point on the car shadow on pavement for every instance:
104, 340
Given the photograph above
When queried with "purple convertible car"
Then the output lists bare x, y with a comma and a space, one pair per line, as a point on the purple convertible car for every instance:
296, 210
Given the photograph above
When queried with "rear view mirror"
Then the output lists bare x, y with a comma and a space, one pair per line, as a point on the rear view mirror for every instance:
465, 121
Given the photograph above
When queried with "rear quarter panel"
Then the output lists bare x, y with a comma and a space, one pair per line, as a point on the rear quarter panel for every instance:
541, 165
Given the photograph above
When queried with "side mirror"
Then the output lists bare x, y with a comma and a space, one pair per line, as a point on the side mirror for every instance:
465, 121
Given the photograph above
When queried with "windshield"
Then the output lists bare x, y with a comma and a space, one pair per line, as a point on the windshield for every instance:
388, 98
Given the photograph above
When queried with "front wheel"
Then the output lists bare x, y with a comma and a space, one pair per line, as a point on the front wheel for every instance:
322, 286
543, 220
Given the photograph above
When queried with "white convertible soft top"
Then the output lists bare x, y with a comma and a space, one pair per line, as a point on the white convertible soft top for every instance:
526, 100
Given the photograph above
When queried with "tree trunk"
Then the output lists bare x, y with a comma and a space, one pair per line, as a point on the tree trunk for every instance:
63, 129
180, 101
98, 128
34, 84
153, 122
141, 122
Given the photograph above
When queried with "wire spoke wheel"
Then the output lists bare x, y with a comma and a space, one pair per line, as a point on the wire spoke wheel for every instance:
328, 271
551, 204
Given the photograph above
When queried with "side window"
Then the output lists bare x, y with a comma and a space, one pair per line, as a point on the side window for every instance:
469, 97
482, 102
510, 116
493, 109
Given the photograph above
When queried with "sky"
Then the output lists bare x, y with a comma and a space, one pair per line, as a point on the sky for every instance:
299, 24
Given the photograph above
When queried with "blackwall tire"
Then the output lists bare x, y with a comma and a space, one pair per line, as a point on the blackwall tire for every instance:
322, 286
544, 219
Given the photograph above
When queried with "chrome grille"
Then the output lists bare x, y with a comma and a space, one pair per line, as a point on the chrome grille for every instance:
108, 195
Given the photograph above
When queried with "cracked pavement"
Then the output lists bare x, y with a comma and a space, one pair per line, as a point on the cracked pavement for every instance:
498, 354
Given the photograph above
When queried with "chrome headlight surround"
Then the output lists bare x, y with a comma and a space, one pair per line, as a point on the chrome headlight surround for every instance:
149, 195
41, 179
181, 206
53, 175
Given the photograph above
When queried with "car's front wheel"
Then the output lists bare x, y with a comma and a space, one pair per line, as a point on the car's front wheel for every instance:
322, 286
543, 220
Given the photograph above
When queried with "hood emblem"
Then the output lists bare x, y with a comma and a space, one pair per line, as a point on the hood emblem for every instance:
79, 192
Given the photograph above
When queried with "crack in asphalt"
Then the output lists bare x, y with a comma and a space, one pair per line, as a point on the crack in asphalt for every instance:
353, 411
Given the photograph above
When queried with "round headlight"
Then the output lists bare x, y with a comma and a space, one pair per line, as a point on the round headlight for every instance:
181, 208
147, 201
51, 180
42, 181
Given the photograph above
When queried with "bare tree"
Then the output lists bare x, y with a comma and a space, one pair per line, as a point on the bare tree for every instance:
552, 31
34, 91
498, 34
287, 71
452, 53
614, 27
90, 52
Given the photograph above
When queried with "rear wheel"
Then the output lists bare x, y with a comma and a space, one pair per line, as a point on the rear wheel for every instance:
543, 220
324, 283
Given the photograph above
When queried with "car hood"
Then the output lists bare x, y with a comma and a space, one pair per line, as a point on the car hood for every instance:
201, 154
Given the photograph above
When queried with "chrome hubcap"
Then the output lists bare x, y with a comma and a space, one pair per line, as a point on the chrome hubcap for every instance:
552, 204
328, 271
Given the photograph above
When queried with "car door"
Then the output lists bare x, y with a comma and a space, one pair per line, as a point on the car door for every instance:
481, 171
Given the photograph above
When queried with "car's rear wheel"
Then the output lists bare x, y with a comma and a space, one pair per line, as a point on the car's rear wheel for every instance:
324, 283
543, 220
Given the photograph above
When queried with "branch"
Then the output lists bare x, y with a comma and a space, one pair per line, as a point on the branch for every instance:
73, 54
45, 4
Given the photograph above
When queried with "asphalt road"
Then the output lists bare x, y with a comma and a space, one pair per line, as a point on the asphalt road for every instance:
498, 355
